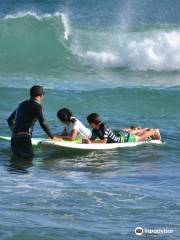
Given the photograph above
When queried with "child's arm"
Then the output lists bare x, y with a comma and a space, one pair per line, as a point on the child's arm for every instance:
95, 136
72, 137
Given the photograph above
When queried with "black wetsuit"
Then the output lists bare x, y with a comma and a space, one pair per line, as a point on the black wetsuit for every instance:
21, 122
104, 132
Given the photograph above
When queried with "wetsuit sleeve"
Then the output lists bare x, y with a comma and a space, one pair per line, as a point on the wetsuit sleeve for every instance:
11, 120
42, 122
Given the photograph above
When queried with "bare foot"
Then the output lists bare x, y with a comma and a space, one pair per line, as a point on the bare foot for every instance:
156, 134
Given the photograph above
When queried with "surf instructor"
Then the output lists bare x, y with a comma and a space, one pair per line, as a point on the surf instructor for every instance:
22, 120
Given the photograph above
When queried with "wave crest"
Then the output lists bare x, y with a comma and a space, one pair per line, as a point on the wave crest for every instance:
151, 49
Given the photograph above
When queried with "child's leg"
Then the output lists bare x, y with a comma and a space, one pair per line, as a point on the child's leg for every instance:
136, 131
154, 133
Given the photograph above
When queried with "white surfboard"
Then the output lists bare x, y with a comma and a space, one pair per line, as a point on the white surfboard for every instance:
35, 141
81, 146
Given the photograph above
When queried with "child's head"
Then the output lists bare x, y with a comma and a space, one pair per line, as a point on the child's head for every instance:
94, 120
65, 115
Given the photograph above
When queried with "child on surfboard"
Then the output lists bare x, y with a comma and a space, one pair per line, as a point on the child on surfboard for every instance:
73, 127
104, 134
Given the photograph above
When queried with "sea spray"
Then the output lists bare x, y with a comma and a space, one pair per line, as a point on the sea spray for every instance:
160, 51
66, 24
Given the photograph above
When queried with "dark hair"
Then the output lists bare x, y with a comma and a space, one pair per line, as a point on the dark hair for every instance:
93, 118
65, 115
36, 90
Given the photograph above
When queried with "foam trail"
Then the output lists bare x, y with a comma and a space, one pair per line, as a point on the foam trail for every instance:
66, 25
22, 14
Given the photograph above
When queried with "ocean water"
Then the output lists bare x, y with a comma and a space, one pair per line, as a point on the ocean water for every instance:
120, 58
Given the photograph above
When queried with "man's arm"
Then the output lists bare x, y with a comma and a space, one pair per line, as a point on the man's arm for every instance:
42, 122
11, 120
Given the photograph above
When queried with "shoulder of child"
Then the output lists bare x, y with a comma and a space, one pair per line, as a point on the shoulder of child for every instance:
103, 126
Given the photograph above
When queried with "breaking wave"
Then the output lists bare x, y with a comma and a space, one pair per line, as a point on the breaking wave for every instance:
32, 42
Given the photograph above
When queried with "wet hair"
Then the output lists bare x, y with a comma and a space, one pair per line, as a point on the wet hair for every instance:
135, 127
65, 115
93, 118
36, 90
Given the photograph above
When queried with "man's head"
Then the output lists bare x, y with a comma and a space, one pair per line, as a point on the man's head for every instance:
37, 92
94, 120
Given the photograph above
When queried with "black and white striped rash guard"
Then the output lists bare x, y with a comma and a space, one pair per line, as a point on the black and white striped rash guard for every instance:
104, 132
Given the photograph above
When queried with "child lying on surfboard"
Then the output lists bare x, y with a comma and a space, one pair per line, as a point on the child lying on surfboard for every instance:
73, 127
105, 135
136, 130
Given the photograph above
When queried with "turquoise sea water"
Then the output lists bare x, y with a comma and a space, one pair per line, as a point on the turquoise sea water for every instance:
118, 58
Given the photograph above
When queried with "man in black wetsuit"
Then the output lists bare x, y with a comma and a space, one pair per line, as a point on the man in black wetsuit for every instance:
21, 123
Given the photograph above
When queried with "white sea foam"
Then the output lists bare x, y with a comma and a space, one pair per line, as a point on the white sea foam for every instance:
159, 51
34, 14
